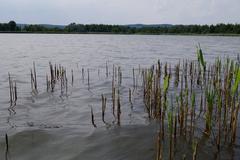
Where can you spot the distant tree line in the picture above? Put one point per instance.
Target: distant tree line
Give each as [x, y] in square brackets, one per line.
[171, 29]
[9, 27]
[73, 27]
[39, 28]
[124, 29]
[193, 29]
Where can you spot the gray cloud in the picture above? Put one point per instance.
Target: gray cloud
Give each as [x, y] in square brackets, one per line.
[121, 11]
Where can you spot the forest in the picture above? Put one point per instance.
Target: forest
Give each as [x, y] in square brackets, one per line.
[122, 29]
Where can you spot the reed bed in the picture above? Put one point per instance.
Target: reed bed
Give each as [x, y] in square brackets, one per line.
[174, 103]
[190, 100]
[58, 75]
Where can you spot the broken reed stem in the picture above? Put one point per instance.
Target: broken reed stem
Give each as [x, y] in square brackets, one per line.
[47, 83]
[119, 76]
[6, 141]
[83, 74]
[175, 130]
[32, 80]
[98, 72]
[234, 125]
[15, 92]
[104, 103]
[35, 77]
[88, 79]
[106, 69]
[72, 77]
[12, 91]
[113, 100]
[66, 85]
[113, 92]
[92, 118]
[159, 147]
[195, 147]
[10, 88]
[61, 84]
[133, 79]
[130, 96]
[118, 108]
[52, 77]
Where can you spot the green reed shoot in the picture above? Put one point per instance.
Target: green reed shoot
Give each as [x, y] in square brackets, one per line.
[208, 117]
[237, 81]
[201, 58]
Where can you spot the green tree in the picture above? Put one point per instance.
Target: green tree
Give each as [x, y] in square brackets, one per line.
[12, 25]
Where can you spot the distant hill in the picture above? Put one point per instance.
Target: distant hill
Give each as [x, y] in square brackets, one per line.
[148, 25]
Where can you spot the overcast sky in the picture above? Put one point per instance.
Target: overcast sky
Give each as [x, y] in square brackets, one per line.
[121, 11]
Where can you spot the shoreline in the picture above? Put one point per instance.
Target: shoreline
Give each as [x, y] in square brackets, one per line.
[107, 33]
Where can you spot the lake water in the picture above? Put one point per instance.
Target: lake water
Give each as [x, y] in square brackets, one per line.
[48, 126]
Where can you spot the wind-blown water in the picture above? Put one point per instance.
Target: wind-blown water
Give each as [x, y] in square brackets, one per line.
[54, 126]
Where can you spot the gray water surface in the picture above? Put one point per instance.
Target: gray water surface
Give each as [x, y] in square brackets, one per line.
[48, 126]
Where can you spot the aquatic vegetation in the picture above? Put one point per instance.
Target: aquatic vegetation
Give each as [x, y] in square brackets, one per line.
[6, 141]
[208, 117]
[34, 79]
[104, 105]
[92, 115]
[237, 81]
[200, 57]
[193, 103]
[12, 91]
[195, 147]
